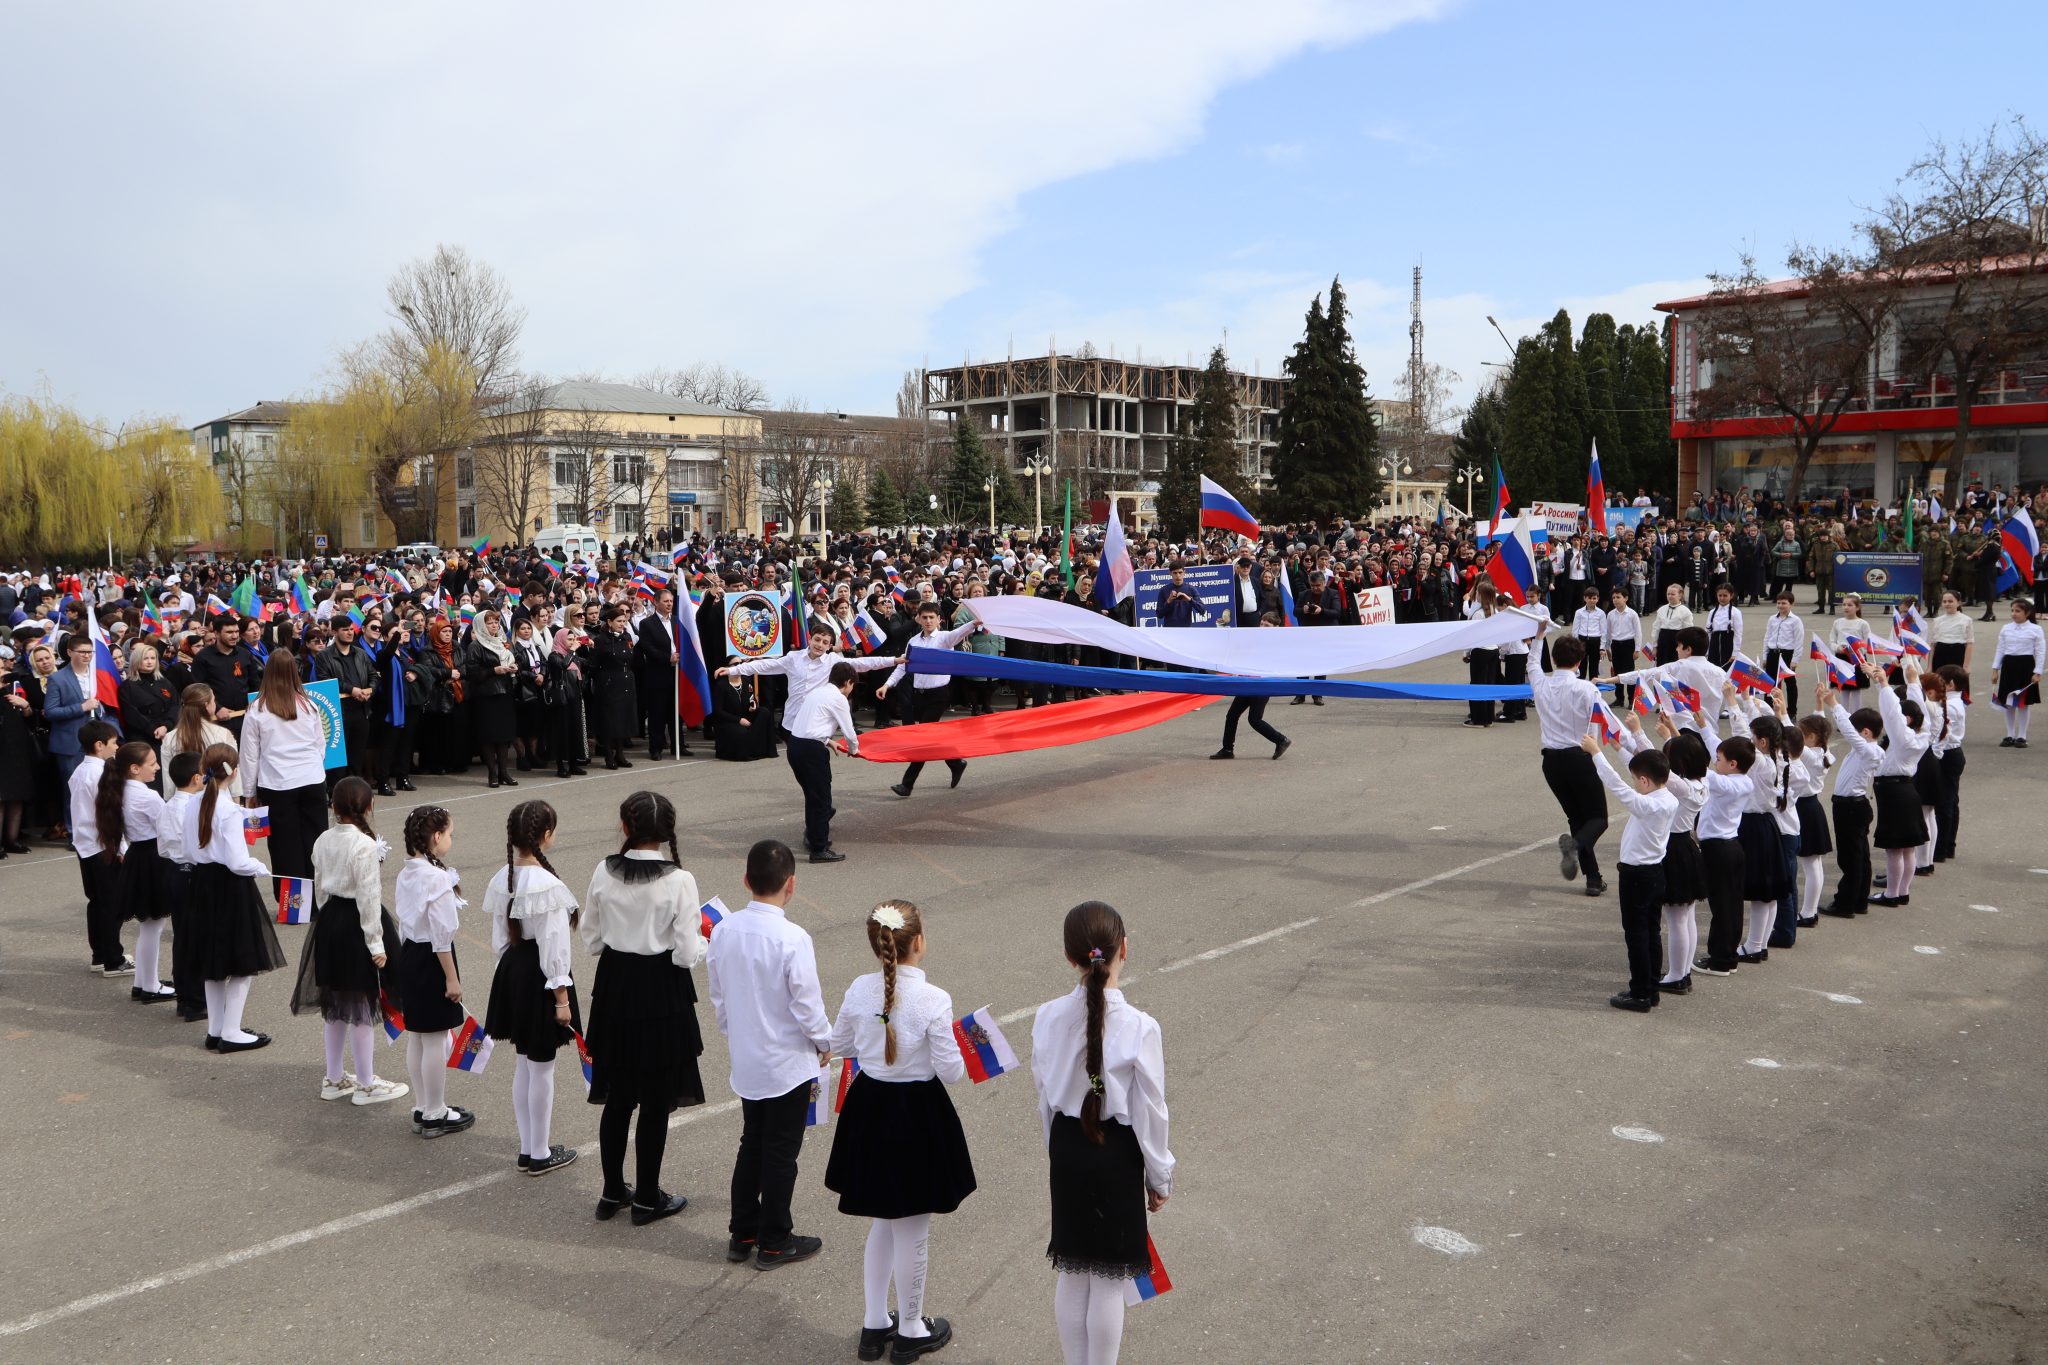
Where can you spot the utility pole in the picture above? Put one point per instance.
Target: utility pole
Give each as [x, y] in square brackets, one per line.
[1418, 435]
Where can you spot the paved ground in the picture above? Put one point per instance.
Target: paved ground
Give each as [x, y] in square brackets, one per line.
[1384, 1015]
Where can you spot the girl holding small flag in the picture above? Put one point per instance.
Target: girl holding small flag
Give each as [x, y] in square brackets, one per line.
[1100, 1069]
[533, 1000]
[640, 915]
[346, 967]
[1763, 850]
[899, 1155]
[128, 809]
[1901, 828]
[1949, 746]
[1847, 628]
[2016, 666]
[1815, 842]
[1951, 637]
[1929, 778]
[284, 748]
[234, 938]
[429, 978]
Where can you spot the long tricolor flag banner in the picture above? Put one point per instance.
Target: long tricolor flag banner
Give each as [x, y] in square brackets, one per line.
[1152, 1283]
[819, 1109]
[470, 1048]
[711, 914]
[983, 1047]
[294, 900]
[849, 1067]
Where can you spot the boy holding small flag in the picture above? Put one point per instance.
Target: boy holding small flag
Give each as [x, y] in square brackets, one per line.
[1641, 881]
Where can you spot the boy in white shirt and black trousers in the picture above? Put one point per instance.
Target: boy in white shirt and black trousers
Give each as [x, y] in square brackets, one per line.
[1641, 885]
[763, 973]
[1624, 636]
[1589, 626]
[824, 713]
[929, 690]
[97, 740]
[1851, 804]
[1564, 706]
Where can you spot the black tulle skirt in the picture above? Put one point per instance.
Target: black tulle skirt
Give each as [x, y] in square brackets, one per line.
[138, 883]
[423, 989]
[337, 975]
[898, 1150]
[1928, 779]
[1763, 857]
[643, 1036]
[1814, 839]
[1098, 1201]
[1685, 879]
[1899, 822]
[522, 1010]
[233, 931]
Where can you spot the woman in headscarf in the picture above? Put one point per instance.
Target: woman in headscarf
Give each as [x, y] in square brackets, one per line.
[568, 658]
[489, 671]
[529, 692]
[444, 744]
[615, 699]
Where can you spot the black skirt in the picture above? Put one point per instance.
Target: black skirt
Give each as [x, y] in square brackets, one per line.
[337, 976]
[2015, 675]
[1685, 880]
[1928, 779]
[1945, 655]
[1667, 647]
[643, 1036]
[1899, 823]
[1814, 841]
[522, 1009]
[1763, 857]
[898, 1150]
[1098, 1201]
[423, 989]
[138, 883]
[233, 932]
[493, 720]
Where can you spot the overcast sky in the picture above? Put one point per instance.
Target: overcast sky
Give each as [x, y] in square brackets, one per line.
[207, 199]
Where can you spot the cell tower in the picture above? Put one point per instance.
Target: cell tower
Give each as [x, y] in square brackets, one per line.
[1417, 380]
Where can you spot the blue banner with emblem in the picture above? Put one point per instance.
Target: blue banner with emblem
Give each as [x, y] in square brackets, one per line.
[1878, 576]
[1209, 584]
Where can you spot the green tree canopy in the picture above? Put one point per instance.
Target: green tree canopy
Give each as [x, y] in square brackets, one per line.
[1325, 465]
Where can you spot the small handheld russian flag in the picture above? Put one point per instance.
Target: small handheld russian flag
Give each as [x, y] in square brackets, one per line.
[394, 1018]
[1152, 1283]
[294, 900]
[1745, 674]
[868, 633]
[1787, 673]
[849, 1067]
[982, 1046]
[1913, 643]
[1884, 649]
[583, 1056]
[1645, 702]
[1839, 673]
[255, 824]
[711, 914]
[470, 1048]
[817, 1110]
[895, 582]
[1606, 723]
[1684, 700]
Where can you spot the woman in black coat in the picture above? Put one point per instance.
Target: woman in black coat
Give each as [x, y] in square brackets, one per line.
[614, 700]
[567, 687]
[530, 689]
[489, 675]
[149, 704]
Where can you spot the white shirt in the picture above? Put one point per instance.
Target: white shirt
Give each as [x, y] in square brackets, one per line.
[1133, 1073]
[2015, 640]
[764, 991]
[542, 905]
[1651, 815]
[805, 673]
[1784, 632]
[1948, 732]
[345, 864]
[938, 639]
[1590, 623]
[280, 754]
[659, 915]
[171, 835]
[170, 748]
[1727, 620]
[922, 1017]
[426, 905]
[1247, 595]
[141, 811]
[1842, 628]
[1950, 628]
[1673, 617]
[83, 789]
[1564, 704]
[824, 713]
[224, 842]
[1904, 744]
[1721, 810]
[1852, 777]
[1623, 625]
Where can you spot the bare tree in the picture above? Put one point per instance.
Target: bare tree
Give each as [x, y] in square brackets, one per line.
[711, 384]
[1956, 238]
[739, 471]
[582, 446]
[910, 394]
[514, 455]
[447, 301]
[799, 450]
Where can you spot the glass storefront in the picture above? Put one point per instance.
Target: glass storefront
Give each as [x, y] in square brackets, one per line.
[1993, 459]
[1843, 466]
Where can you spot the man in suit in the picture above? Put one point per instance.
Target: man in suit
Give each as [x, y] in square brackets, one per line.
[1245, 594]
[70, 700]
[654, 663]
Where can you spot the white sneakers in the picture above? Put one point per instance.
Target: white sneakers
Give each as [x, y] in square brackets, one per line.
[378, 1091]
[338, 1090]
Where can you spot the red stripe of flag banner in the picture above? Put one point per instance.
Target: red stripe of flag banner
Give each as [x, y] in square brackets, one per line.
[849, 1067]
[294, 900]
[1152, 1283]
[982, 1046]
[470, 1048]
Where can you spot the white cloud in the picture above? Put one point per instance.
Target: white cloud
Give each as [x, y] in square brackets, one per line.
[791, 188]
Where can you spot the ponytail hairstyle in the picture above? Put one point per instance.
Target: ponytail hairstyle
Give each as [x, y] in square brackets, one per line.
[893, 926]
[421, 826]
[352, 798]
[1790, 743]
[649, 819]
[106, 802]
[1935, 688]
[1813, 730]
[1094, 935]
[193, 704]
[528, 824]
[218, 763]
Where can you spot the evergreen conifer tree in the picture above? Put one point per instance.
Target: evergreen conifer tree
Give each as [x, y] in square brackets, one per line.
[849, 509]
[1324, 468]
[962, 499]
[885, 504]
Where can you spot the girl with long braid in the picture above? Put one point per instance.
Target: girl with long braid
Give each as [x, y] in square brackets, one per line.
[898, 1155]
[533, 998]
[128, 808]
[428, 903]
[347, 964]
[1100, 1068]
[234, 939]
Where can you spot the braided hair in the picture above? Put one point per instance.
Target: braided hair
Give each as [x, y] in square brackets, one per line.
[890, 945]
[1094, 935]
[351, 804]
[107, 811]
[529, 823]
[649, 818]
[421, 825]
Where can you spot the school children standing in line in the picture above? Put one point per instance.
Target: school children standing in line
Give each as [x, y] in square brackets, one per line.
[533, 996]
[174, 851]
[1685, 755]
[1728, 792]
[1956, 709]
[127, 810]
[428, 903]
[236, 941]
[345, 969]
[1900, 827]
[899, 1154]
[1763, 846]
[1814, 841]
[1100, 1069]
[1851, 805]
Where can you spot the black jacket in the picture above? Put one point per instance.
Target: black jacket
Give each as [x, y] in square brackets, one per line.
[352, 670]
[480, 676]
[232, 676]
[147, 703]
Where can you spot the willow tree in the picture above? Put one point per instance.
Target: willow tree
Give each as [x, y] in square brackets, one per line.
[64, 488]
[169, 492]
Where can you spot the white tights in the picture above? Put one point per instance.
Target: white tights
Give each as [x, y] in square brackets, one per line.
[2016, 721]
[1923, 855]
[533, 1104]
[897, 1249]
[1898, 870]
[361, 1039]
[1090, 1312]
[1761, 918]
[1811, 879]
[224, 1002]
[426, 1066]
[1681, 940]
[149, 939]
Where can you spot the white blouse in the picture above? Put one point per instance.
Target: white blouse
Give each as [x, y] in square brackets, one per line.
[426, 905]
[2018, 641]
[1903, 743]
[657, 916]
[224, 844]
[283, 755]
[1133, 1073]
[345, 864]
[1671, 617]
[209, 734]
[542, 905]
[141, 809]
[1842, 628]
[1950, 628]
[922, 1017]
[172, 841]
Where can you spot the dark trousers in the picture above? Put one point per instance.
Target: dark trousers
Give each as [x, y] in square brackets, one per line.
[394, 745]
[1721, 866]
[297, 818]
[649, 1144]
[1774, 657]
[1577, 788]
[1641, 892]
[928, 704]
[1253, 710]
[1514, 672]
[1852, 853]
[1948, 816]
[102, 915]
[764, 1173]
[185, 977]
[1485, 672]
[658, 707]
[811, 763]
[1589, 663]
[1621, 658]
[355, 736]
[1785, 929]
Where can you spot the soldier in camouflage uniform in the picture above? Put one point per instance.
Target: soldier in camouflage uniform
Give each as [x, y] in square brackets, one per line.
[1935, 562]
[1968, 544]
[1821, 551]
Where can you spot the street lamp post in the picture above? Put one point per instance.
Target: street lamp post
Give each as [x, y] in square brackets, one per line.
[1037, 466]
[824, 507]
[988, 486]
[1469, 476]
[1394, 470]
